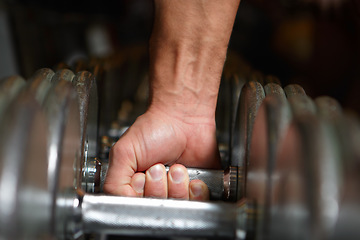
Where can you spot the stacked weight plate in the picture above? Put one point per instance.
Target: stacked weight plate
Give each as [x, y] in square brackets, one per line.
[296, 161]
[43, 136]
[299, 163]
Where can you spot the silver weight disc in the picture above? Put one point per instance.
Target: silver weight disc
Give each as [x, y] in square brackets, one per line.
[9, 88]
[40, 83]
[25, 209]
[348, 222]
[271, 123]
[85, 85]
[86, 88]
[62, 111]
[305, 186]
[251, 97]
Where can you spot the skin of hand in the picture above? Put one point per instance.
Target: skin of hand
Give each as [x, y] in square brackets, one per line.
[187, 52]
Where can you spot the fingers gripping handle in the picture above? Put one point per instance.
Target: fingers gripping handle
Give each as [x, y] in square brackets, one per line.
[222, 184]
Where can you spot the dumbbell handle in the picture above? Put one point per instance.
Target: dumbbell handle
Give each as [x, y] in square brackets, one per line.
[128, 216]
[157, 217]
[223, 185]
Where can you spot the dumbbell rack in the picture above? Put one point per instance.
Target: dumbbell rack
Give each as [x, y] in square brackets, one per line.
[293, 167]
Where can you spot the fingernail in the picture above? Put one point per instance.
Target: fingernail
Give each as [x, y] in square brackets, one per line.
[177, 175]
[196, 189]
[156, 172]
[138, 184]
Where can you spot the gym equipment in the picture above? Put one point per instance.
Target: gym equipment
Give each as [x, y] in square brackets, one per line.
[293, 167]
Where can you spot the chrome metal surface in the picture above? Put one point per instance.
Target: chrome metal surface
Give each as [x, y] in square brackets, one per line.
[40, 83]
[92, 175]
[223, 115]
[305, 187]
[85, 85]
[331, 173]
[25, 207]
[61, 109]
[65, 74]
[214, 179]
[237, 84]
[68, 215]
[159, 217]
[328, 108]
[293, 182]
[270, 125]
[301, 105]
[302, 175]
[294, 89]
[103, 171]
[348, 223]
[86, 88]
[251, 97]
[232, 176]
[274, 89]
[62, 112]
[222, 184]
[9, 88]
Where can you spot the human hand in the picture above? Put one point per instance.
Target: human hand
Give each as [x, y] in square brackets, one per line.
[159, 137]
[187, 52]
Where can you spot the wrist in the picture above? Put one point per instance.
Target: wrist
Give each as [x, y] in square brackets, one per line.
[188, 47]
[185, 79]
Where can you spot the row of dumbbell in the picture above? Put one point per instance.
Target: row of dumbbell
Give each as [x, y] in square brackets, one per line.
[300, 162]
[264, 154]
[45, 144]
[265, 115]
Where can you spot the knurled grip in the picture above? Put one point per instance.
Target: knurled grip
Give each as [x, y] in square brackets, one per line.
[222, 184]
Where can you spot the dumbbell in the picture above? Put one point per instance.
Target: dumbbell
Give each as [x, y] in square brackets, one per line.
[270, 116]
[282, 112]
[60, 184]
[297, 180]
[68, 212]
[9, 87]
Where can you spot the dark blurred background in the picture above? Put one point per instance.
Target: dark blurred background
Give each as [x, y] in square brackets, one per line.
[299, 41]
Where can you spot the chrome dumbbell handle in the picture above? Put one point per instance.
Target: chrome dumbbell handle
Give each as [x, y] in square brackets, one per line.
[124, 216]
[222, 184]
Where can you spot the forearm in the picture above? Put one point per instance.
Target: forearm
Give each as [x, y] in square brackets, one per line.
[187, 51]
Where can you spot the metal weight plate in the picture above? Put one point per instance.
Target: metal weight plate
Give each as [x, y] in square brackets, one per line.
[85, 85]
[290, 190]
[271, 122]
[294, 89]
[348, 222]
[237, 83]
[9, 88]
[62, 111]
[328, 108]
[25, 208]
[331, 173]
[304, 192]
[40, 84]
[274, 89]
[300, 103]
[226, 108]
[65, 74]
[223, 120]
[251, 97]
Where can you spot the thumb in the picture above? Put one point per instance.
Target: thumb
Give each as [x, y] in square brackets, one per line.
[121, 178]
